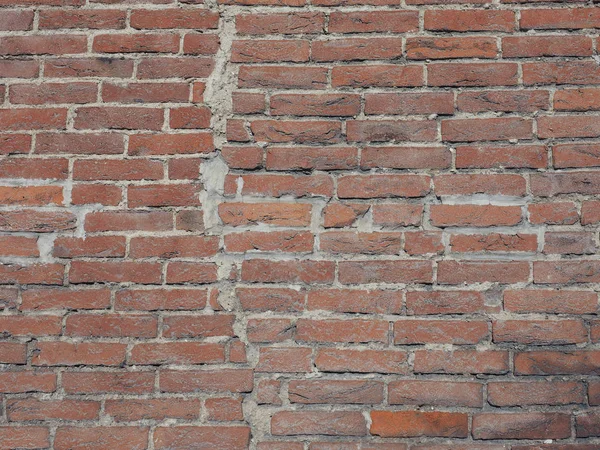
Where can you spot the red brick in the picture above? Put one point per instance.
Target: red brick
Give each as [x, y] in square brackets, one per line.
[33, 409]
[374, 186]
[14, 144]
[436, 393]
[24, 437]
[303, 158]
[469, 130]
[530, 425]
[577, 243]
[272, 299]
[315, 105]
[474, 215]
[410, 332]
[540, 332]
[587, 424]
[493, 242]
[114, 117]
[561, 72]
[19, 246]
[97, 438]
[115, 272]
[336, 391]
[410, 103]
[170, 144]
[82, 353]
[191, 272]
[284, 23]
[356, 49]
[284, 241]
[344, 331]
[160, 299]
[176, 67]
[458, 184]
[561, 18]
[377, 76]
[145, 92]
[19, 68]
[224, 409]
[397, 214]
[550, 301]
[111, 326]
[374, 21]
[46, 93]
[270, 51]
[283, 214]
[391, 130]
[395, 271]
[418, 423]
[340, 423]
[190, 117]
[181, 353]
[535, 393]
[423, 242]
[539, 46]
[581, 362]
[458, 272]
[27, 382]
[198, 326]
[364, 243]
[461, 361]
[472, 74]
[79, 144]
[444, 302]
[282, 185]
[16, 20]
[450, 48]
[281, 77]
[30, 326]
[88, 67]
[124, 220]
[506, 101]
[469, 20]
[58, 44]
[306, 271]
[500, 156]
[269, 330]
[31, 195]
[590, 212]
[300, 132]
[200, 44]
[555, 272]
[181, 438]
[108, 382]
[284, 359]
[174, 18]
[133, 169]
[248, 103]
[163, 195]
[33, 119]
[361, 361]
[93, 19]
[557, 213]
[127, 410]
[134, 43]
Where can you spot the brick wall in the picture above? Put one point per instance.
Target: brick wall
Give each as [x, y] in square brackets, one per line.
[265, 224]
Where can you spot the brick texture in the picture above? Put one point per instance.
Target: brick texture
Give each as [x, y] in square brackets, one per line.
[299, 225]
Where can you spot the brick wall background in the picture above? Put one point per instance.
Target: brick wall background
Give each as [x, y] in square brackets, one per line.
[267, 224]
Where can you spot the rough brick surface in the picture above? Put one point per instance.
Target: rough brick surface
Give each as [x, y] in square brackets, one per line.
[299, 225]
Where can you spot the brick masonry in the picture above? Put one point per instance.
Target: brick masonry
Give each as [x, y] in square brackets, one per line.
[267, 224]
